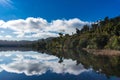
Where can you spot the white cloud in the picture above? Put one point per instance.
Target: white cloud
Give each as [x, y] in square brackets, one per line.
[36, 28]
[8, 36]
[1, 22]
[2, 31]
[6, 3]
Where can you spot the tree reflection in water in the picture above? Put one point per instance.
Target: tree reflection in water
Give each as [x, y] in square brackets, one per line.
[109, 65]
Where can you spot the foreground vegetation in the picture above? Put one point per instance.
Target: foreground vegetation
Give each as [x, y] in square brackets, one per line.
[104, 34]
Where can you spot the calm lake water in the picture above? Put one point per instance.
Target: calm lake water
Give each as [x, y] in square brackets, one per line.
[31, 65]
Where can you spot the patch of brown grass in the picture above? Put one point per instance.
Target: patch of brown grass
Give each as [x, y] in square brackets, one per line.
[103, 52]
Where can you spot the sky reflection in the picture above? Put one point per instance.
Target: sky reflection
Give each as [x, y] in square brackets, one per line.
[34, 63]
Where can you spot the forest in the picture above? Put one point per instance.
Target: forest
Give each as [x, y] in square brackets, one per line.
[102, 34]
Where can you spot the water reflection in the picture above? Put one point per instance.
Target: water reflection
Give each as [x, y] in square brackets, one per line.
[61, 65]
[108, 65]
[34, 63]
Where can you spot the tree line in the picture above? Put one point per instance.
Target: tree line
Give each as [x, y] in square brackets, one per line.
[103, 34]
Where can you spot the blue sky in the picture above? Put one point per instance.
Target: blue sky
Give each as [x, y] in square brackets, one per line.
[52, 10]
[89, 10]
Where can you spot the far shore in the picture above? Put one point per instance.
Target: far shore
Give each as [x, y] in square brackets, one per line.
[107, 52]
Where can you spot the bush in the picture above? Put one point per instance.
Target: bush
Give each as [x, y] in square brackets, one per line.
[114, 43]
[83, 42]
[92, 44]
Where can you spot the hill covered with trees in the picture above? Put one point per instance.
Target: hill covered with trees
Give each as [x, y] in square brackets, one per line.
[103, 34]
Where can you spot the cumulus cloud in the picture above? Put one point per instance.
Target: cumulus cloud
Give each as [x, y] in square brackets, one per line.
[2, 31]
[6, 3]
[37, 28]
[8, 36]
[37, 64]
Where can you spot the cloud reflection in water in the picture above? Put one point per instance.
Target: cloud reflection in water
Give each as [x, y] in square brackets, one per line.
[34, 63]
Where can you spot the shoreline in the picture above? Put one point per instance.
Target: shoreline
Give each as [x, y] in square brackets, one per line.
[106, 52]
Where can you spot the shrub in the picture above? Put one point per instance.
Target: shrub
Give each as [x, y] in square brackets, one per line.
[114, 43]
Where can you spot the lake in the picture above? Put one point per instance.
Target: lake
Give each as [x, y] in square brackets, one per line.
[33, 65]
